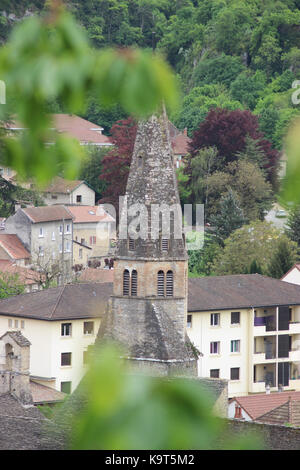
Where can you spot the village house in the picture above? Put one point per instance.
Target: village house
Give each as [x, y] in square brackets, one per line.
[93, 230]
[47, 233]
[62, 191]
[179, 143]
[281, 408]
[60, 323]
[12, 249]
[31, 280]
[293, 275]
[248, 330]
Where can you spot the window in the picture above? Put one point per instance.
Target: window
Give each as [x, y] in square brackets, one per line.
[235, 373]
[78, 198]
[65, 387]
[65, 359]
[66, 329]
[16, 323]
[41, 232]
[41, 251]
[68, 228]
[189, 321]
[235, 318]
[22, 324]
[53, 236]
[215, 347]
[88, 328]
[126, 282]
[82, 241]
[93, 240]
[140, 161]
[161, 284]
[60, 247]
[53, 196]
[214, 319]
[60, 229]
[68, 247]
[80, 253]
[235, 346]
[134, 281]
[214, 373]
[131, 244]
[10, 323]
[169, 286]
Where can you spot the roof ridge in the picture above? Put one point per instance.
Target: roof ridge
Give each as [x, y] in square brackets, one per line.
[58, 300]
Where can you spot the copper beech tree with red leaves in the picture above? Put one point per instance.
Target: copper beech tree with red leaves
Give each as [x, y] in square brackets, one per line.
[227, 131]
[116, 164]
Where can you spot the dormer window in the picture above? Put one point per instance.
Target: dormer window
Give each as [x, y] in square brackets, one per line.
[131, 244]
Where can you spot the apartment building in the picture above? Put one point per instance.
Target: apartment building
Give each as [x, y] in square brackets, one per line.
[248, 329]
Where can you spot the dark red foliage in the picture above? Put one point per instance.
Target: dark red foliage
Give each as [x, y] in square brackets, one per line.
[227, 130]
[117, 162]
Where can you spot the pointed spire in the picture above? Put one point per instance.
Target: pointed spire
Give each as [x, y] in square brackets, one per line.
[151, 211]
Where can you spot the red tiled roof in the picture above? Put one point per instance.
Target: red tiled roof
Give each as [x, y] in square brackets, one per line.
[42, 394]
[74, 126]
[13, 246]
[89, 214]
[97, 275]
[47, 213]
[62, 186]
[260, 404]
[26, 276]
[180, 144]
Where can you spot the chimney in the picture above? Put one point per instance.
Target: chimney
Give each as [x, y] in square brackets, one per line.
[238, 412]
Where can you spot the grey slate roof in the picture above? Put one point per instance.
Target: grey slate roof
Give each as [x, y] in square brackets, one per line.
[18, 337]
[240, 291]
[25, 428]
[70, 302]
[205, 293]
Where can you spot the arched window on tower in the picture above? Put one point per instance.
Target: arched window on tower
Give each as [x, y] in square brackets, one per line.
[126, 282]
[134, 281]
[131, 244]
[170, 284]
[161, 284]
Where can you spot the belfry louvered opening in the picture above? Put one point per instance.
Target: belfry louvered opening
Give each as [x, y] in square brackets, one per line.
[134, 281]
[131, 244]
[165, 244]
[161, 284]
[126, 282]
[170, 284]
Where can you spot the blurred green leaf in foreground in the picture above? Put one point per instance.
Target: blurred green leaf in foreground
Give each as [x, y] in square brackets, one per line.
[50, 60]
[115, 409]
[290, 193]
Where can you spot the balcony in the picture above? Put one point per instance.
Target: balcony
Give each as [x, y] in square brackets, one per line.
[264, 324]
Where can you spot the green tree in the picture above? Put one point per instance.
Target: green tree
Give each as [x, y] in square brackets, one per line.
[282, 259]
[201, 261]
[222, 70]
[293, 225]
[229, 217]
[10, 285]
[255, 268]
[257, 240]
[91, 169]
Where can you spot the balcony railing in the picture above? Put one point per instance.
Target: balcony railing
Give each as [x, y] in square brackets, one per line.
[269, 322]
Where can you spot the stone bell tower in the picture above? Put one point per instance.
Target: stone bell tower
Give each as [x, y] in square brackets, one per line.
[148, 309]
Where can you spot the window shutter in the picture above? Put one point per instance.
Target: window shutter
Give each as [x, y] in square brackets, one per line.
[161, 284]
[126, 282]
[134, 283]
[170, 286]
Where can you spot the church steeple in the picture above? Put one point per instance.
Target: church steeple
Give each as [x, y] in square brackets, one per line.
[148, 310]
[152, 188]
